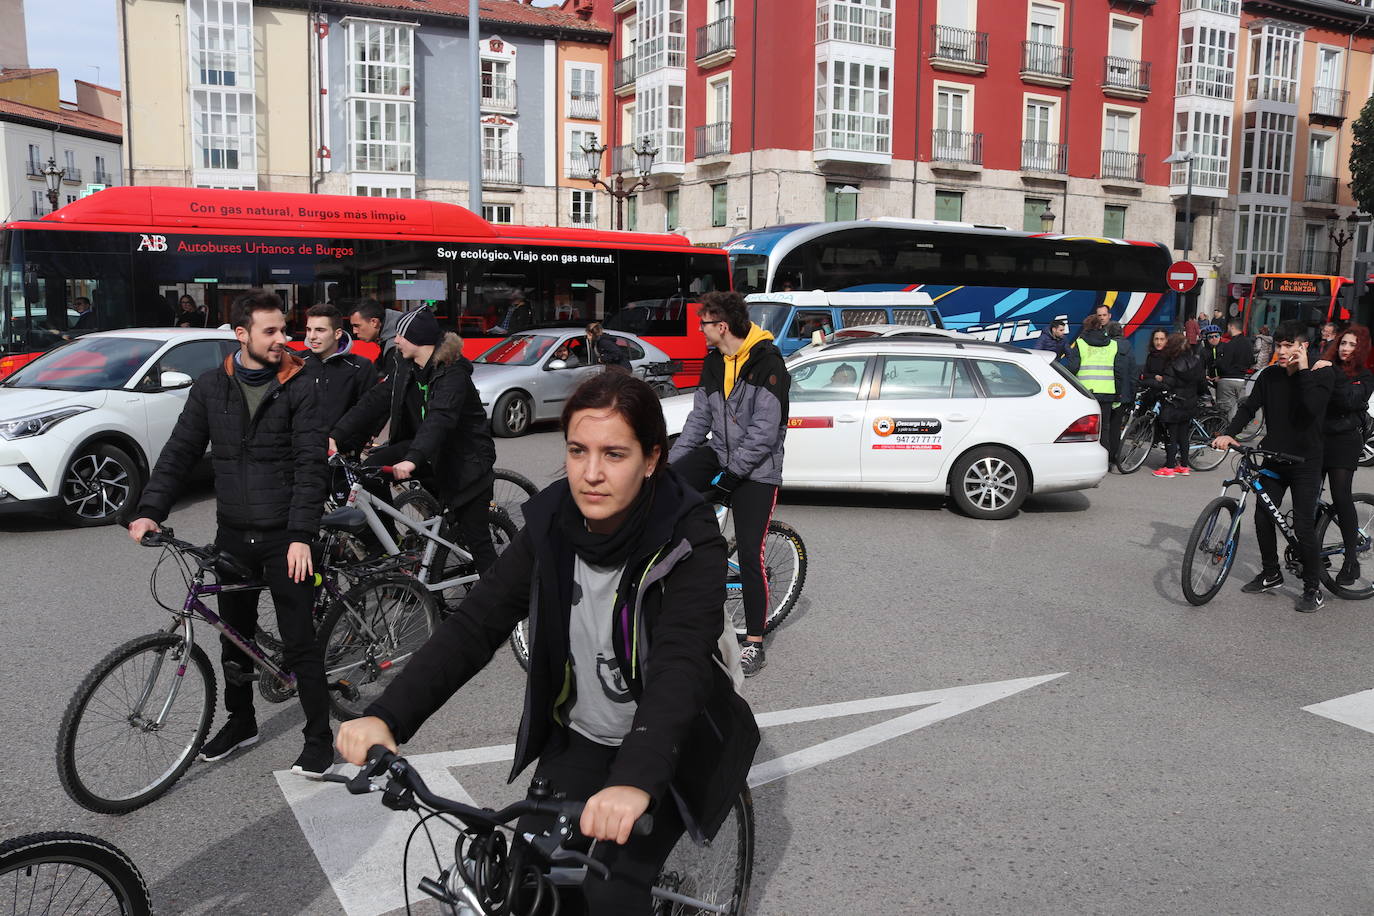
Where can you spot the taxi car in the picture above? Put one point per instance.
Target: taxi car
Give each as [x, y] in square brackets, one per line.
[987, 424]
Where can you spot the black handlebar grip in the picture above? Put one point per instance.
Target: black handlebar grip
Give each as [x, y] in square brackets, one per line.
[154, 538]
[379, 757]
[644, 825]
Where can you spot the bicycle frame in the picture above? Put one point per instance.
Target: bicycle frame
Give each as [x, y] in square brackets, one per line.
[1196, 426]
[1249, 480]
[732, 567]
[359, 498]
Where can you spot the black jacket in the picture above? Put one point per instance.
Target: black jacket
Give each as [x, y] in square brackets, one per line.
[452, 444]
[1294, 409]
[1349, 399]
[341, 381]
[691, 733]
[610, 353]
[1235, 357]
[269, 469]
[1181, 379]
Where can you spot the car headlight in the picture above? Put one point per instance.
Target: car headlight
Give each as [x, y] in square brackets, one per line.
[37, 424]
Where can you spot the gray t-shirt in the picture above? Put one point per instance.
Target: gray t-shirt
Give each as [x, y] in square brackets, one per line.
[604, 710]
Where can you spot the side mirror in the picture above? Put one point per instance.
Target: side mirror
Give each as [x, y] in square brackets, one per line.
[818, 337]
[557, 364]
[175, 380]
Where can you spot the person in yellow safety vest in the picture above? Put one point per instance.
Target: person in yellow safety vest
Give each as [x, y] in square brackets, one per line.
[1104, 366]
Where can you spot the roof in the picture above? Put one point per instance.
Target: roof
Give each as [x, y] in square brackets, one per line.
[75, 121]
[493, 11]
[16, 73]
[113, 92]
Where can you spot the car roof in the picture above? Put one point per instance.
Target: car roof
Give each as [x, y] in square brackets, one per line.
[918, 341]
[898, 330]
[166, 333]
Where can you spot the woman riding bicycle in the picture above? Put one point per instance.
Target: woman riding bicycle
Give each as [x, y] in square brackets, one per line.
[1343, 434]
[1184, 370]
[621, 570]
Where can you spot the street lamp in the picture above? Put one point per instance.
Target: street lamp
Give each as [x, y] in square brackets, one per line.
[644, 152]
[1047, 219]
[1341, 236]
[53, 176]
[1187, 156]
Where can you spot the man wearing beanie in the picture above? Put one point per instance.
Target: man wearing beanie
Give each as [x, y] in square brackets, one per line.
[439, 432]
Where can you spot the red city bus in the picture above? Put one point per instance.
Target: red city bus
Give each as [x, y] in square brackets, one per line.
[1313, 298]
[135, 251]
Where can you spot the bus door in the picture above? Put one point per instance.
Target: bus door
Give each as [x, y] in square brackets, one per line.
[923, 409]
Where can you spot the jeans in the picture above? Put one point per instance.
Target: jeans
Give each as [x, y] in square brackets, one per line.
[753, 506]
[1229, 393]
[1304, 480]
[264, 552]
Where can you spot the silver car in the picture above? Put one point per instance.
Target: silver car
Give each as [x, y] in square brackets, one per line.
[529, 375]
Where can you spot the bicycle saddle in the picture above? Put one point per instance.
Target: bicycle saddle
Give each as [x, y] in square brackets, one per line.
[345, 519]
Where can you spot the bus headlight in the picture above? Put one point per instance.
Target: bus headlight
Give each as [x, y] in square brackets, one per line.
[37, 424]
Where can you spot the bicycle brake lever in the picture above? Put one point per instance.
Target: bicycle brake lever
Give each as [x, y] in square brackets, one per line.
[550, 848]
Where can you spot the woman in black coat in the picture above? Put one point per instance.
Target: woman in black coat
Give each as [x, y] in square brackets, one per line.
[1152, 373]
[1183, 373]
[628, 703]
[1343, 433]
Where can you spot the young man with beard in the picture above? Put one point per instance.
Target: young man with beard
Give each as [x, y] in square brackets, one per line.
[341, 377]
[258, 415]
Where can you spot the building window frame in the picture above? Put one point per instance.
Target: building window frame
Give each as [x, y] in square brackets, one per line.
[953, 203]
[1207, 134]
[1261, 238]
[582, 207]
[1268, 141]
[672, 199]
[862, 22]
[223, 130]
[1114, 221]
[386, 69]
[220, 43]
[1206, 62]
[720, 204]
[381, 136]
[840, 124]
[1031, 208]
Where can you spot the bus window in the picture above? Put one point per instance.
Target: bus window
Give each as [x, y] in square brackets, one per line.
[808, 321]
[750, 272]
[708, 275]
[654, 290]
[501, 299]
[919, 318]
[852, 318]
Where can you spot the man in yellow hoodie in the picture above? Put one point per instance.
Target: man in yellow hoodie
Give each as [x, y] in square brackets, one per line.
[741, 405]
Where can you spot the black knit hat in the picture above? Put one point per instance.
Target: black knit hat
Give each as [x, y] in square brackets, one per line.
[419, 327]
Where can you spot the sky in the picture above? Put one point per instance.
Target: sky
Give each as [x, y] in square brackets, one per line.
[76, 37]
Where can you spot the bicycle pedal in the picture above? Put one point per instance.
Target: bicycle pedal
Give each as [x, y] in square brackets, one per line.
[239, 676]
[349, 691]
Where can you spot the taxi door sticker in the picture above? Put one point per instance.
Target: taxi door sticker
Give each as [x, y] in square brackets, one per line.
[1056, 391]
[810, 422]
[908, 433]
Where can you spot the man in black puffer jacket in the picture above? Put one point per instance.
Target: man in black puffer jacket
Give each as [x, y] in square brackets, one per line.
[259, 416]
[439, 432]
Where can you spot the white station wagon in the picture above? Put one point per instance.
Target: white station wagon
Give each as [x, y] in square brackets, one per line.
[986, 423]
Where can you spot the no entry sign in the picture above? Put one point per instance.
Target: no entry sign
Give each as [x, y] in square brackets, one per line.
[1182, 276]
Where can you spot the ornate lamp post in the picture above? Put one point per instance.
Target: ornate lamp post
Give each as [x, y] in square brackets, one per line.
[1341, 236]
[53, 176]
[1047, 218]
[644, 152]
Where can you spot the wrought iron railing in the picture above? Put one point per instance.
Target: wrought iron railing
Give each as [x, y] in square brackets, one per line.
[1123, 165]
[1046, 59]
[715, 37]
[965, 45]
[1329, 102]
[957, 146]
[498, 92]
[1126, 73]
[1320, 189]
[1044, 156]
[712, 140]
[585, 105]
[502, 168]
[624, 71]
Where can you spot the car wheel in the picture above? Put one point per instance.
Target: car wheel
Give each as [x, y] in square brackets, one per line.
[512, 415]
[1366, 459]
[989, 483]
[100, 483]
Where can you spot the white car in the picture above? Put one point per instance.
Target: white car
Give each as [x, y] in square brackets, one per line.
[986, 423]
[81, 425]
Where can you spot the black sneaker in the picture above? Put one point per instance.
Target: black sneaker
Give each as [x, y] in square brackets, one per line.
[1349, 574]
[237, 732]
[314, 760]
[1311, 599]
[751, 658]
[1264, 582]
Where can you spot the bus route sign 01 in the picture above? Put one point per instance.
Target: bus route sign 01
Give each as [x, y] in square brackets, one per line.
[1182, 276]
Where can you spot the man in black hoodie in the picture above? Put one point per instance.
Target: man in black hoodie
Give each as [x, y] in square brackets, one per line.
[1234, 360]
[1294, 399]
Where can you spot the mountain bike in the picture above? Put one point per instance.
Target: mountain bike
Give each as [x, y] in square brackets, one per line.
[1212, 544]
[69, 873]
[521, 875]
[510, 492]
[1143, 431]
[140, 717]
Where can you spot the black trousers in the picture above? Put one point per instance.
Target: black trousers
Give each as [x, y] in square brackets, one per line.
[1304, 481]
[264, 552]
[753, 504]
[578, 772]
[468, 518]
[1176, 443]
[1111, 426]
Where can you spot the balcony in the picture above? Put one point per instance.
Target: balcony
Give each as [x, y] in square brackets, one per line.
[1320, 261]
[716, 42]
[1044, 156]
[712, 140]
[585, 106]
[498, 93]
[1125, 77]
[959, 50]
[71, 175]
[622, 159]
[625, 76]
[1118, 165]
[502, 170]
[955, 148]
[1320, 189]
[35, 170]
[577, 166]
[1329, 103]
[1225, 7]
[1045, 64]
[104, 178]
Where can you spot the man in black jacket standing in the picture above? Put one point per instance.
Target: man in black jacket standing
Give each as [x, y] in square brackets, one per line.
[439, 432]
[341, 377]
[1234, 360]
[258, 415]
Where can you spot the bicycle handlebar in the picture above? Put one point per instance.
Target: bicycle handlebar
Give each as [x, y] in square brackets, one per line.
[354, 466]
[1283, 457]
[208, 556]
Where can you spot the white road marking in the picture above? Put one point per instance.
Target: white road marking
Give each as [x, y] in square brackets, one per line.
[1355, 710]
[359, 844]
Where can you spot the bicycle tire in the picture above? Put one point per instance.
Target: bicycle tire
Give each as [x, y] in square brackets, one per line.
[783, 549]
[719, 872]
[76, 766]
[1137, 441]
[358, 666]
[1210, 544]
[43, 870]
[510, 492]
[1201, 456]
[502, 531]
[1332, 542]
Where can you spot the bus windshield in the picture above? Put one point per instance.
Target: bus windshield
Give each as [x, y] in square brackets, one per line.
[771, 316]
[1277, 298]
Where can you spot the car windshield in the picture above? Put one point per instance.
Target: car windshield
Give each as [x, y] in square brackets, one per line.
[88, 364]
[518, 350]
[769, 315]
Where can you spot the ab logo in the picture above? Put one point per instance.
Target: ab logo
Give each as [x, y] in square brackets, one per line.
[152, 243]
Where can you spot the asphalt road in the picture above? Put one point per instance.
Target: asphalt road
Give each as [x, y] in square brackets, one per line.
[1170, 769]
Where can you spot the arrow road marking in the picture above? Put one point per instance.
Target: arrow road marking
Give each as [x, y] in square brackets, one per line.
[1355, 710]
[359, 845]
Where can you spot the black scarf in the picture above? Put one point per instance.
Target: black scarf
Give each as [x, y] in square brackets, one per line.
[612, 549]
[254, 377]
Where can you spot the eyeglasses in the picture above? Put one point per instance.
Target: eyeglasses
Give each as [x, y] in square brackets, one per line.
[716, 321]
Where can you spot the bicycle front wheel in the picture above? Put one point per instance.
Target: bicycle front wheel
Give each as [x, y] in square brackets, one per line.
[135, 723]
[1201, 432]
[717, 873]
[1335, 559]
[1211, 550]
[1136, 442]
[70, 873]
[369, 635]
[510, 492]
[784, 573]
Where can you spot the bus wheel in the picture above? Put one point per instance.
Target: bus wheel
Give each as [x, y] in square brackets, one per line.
[98, 485]
[512, 414]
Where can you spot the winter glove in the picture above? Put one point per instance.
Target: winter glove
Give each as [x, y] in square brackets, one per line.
[725, 482]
